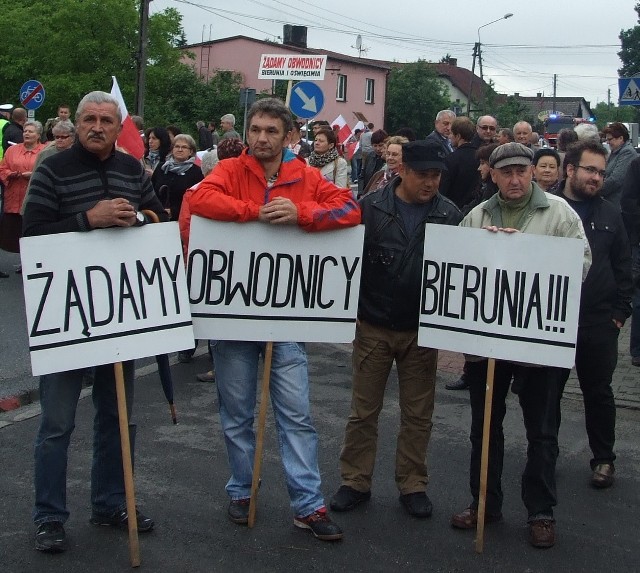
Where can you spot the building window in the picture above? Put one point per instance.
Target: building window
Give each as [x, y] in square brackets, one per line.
[369, 89]
[341, 89]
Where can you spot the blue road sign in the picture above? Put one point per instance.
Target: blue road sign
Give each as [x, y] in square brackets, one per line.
[307, 100]
[629, 92]
[32, 94]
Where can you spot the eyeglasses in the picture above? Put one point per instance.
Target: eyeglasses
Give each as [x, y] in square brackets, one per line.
[182, 147]
[61, 136]
[487, 127]
[592, 170]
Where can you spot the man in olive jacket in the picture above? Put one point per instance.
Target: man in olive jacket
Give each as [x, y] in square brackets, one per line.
[394, 218]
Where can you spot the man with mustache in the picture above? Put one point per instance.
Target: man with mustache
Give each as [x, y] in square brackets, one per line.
[88, 186]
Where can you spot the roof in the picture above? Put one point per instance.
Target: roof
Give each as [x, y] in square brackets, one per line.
[572, 106]
[461, 79]
[380, 64]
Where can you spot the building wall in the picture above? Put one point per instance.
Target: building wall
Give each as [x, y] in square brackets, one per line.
[243, 56]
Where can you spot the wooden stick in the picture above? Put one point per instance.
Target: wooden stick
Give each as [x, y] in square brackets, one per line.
[484, 465]
[262, 417]
[123, 418]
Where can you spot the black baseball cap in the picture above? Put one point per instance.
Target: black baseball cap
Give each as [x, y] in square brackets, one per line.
[423, 154]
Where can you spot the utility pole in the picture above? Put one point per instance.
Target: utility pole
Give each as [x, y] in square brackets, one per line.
[143, 34]
[553, 101]
[481, 78]
[473, 72]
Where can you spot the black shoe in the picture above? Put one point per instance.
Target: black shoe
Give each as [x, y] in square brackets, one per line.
[185, 356]
[346, 498]
[4, 275]
[417, 504]
[50, 537]
[461, 384]
[239, 510]
[320, 524]
[120, 519]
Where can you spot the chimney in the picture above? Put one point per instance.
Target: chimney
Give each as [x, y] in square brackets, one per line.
[516, 94]
[539, 95]
[452, 61]
[294, 36]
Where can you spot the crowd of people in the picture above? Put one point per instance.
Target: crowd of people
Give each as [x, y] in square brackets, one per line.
[462, 173]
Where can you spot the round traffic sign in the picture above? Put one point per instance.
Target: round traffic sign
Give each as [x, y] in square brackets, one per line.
[307, 100]
[32, 94]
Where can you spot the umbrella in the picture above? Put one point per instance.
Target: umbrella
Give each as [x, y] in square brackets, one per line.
[164, 370]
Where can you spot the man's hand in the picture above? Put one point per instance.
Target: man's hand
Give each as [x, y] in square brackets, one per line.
[279, 211]
[112, 213]
[495, 229]
[618, 324]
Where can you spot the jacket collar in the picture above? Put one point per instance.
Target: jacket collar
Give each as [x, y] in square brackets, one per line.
[538, 200]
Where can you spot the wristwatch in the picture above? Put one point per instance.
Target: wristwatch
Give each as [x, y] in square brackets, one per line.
[140, 219]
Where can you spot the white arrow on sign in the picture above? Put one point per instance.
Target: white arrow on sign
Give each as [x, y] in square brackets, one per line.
[308, 103]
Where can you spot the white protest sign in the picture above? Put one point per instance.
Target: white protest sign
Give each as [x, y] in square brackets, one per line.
[506, 296]
[292, 67]
[104, 296]
[252, 281]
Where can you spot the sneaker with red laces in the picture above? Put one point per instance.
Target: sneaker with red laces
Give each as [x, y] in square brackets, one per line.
[320, 525]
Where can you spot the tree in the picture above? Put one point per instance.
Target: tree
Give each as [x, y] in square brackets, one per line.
[414, 96]
[606, 113]
[511, 111]
[630, 52]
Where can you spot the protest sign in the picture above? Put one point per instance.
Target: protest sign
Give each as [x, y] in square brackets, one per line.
[105, 296]
[507, 296]
[251, 281]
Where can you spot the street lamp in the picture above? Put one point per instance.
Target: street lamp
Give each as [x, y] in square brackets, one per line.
[477, 52]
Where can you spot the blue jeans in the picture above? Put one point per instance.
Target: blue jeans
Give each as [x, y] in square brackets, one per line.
[59, 395]
[236, 381]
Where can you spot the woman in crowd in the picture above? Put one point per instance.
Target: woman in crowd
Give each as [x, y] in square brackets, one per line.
[157, 147]
[393, 157]
[15, 171]
[325, 157]
[487, 188]
[179, 172]
[546, 168]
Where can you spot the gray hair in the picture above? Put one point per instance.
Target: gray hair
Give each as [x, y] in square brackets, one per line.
[523, 124]
[98, 98]
[208, 161]
[64, 125]
[187, 139]
[489, 116]
[444, 112]
[199, 124]
[587, 131]
[35, 124]
[229, 117]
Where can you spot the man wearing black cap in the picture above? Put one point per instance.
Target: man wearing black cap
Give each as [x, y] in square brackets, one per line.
[394, 218]
[519, 206]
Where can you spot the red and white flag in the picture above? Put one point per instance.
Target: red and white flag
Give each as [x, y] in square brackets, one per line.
[129, 138]
[345, 131]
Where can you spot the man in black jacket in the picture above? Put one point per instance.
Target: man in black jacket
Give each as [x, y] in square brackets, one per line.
[394, 218]
[605, 303]
[373, 161]
[88, 186]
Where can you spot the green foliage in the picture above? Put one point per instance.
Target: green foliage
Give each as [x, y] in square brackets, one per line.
[606, 113]
[511, 111]
[414, 96]
[75, 46]
[630, 52]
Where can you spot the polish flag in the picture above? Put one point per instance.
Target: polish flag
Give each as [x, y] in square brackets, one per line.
[344, 130]
[129, 138]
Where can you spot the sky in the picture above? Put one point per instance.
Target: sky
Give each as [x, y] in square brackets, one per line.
[577, 40]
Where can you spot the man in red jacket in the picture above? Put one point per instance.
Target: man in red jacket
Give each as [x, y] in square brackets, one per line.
[268, 183]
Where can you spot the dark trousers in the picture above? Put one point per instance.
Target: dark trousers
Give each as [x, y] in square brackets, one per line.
[596, 359]
[539, 388]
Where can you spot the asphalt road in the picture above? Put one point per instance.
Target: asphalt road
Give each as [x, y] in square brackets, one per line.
[181, 471]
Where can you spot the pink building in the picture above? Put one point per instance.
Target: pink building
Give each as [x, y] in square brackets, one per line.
[353, 87]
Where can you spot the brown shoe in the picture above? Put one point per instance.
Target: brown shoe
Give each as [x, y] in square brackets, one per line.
[468, 519]
[542, 533]
[206, 377]
[602, 476]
